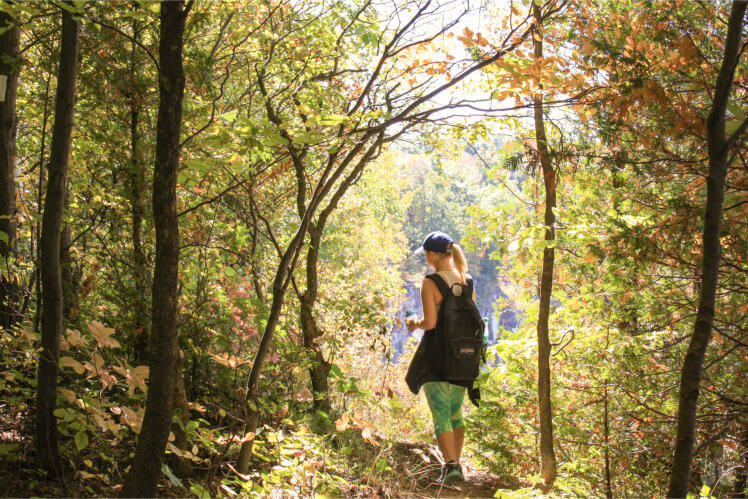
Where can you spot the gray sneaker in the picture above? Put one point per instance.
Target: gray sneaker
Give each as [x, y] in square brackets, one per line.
[453, 473]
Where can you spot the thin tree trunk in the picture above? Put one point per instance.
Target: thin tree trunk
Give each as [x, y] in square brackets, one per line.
[280, 285]
[741, 473]
[39, 194]
[136, 179]
[320, 369]
[606, 428]
[51, 320]
[9, 65]
[606, 424]
[182, 466]
[547, 456]
[70, 272]
[718, 150]
[164, 355]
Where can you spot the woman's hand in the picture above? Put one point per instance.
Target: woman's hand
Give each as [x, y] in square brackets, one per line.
[412, 325]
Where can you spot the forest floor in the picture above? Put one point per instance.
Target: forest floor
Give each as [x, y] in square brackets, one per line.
[412, 471]
[478, 483]
[418, 466]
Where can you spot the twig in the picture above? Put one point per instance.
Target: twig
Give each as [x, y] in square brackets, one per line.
[485, 163]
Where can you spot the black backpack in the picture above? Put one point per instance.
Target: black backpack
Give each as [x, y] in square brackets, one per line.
[459, 332]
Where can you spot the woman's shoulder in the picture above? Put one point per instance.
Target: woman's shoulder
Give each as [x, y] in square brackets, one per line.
[428, 281]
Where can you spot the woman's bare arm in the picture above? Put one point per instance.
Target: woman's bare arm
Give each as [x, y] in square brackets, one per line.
[428, 300]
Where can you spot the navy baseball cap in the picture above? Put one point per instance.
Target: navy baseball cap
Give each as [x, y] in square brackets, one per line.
[437, 242]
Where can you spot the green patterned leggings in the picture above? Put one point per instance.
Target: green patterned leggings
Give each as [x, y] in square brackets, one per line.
[445, 401]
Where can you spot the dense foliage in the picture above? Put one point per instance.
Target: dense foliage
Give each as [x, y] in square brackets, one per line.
[320, 141]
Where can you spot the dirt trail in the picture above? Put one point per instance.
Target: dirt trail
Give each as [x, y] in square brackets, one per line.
[478, 483]
[419, 466]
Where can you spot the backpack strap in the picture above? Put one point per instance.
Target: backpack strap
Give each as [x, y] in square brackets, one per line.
[469, 288]
[443, 287]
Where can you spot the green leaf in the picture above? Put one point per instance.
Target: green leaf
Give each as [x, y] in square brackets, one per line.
[72, 8]
[81, 440]
[199, 491]
[731, 126]
[335, 370]
[154, 7]
[736, 110]
[171, 476]
[482, 379]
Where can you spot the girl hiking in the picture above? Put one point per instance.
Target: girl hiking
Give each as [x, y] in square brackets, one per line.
[446, 362]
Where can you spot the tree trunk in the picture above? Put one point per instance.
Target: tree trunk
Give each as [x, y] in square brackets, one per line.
[51, 320]
[164, 355]
[136, 180]
[606, 419]
[39, 195]
[547, 456]
[606, 436]
[741, 473]
[181, 466]
[718, 150]
[71, 276]
[320, 368]
[280, 285]
[9, 65]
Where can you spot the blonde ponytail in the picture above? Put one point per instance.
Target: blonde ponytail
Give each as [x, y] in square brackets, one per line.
[460, 263]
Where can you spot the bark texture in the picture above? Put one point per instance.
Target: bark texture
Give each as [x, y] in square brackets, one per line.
[10, 61]
[718, 149]
[164, 355]
[547, 455]
[320, 369]
[71, 277]
[51, 318]
[181, 466]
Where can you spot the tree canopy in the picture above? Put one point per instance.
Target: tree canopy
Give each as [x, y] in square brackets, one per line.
[209, 217]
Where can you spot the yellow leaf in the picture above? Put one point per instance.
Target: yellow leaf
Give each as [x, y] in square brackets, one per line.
[98, 361]
[589, 258]
[132, 419]
[229, 361]
[102, 335]
[140, 376]
[73, 337]
[69, 395]
[304, 395]
[27, 333]
[342, 423]
[71, 362]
